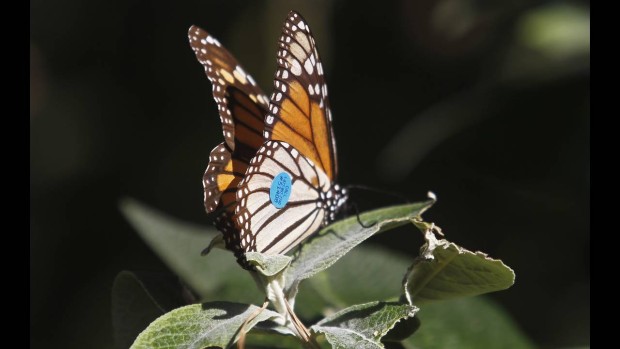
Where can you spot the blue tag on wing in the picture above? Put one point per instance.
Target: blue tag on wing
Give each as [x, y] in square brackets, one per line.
[280, 190]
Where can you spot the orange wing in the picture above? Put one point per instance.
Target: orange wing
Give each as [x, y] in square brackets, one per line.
[299, 145]
[242, 106]
[299, 111]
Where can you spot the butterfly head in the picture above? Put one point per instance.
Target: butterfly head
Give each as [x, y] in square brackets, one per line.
[334, 199]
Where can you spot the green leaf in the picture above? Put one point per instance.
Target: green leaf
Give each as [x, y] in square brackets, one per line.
[367, 273]
[363, 325]
[268, 265]
[336, 240]
[140, 298]
[255, 339]
[466, 323]
[448, 271]
[402, 330]
[269, 276]
[216, 276]
[214, 324]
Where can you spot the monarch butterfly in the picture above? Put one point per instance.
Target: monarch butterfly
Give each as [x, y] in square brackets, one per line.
[273, 179]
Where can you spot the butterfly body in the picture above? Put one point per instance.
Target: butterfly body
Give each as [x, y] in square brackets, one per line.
[273, 181]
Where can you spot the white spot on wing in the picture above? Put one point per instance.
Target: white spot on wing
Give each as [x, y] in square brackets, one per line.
[240, 75]
[308, 66]
[295, 66]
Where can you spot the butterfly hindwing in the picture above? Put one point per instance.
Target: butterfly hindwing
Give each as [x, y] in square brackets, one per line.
[219, 181]
[265, 228]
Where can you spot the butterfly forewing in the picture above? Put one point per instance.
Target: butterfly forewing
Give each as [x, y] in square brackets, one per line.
[299, 112]
[299, 146]
[227, 76]
[242, 107]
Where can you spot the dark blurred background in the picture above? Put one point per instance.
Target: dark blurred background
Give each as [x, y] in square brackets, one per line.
[486, 103]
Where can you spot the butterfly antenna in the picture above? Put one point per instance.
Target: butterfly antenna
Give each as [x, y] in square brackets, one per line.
[359, 220]
[380, 191]
[375, 190]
